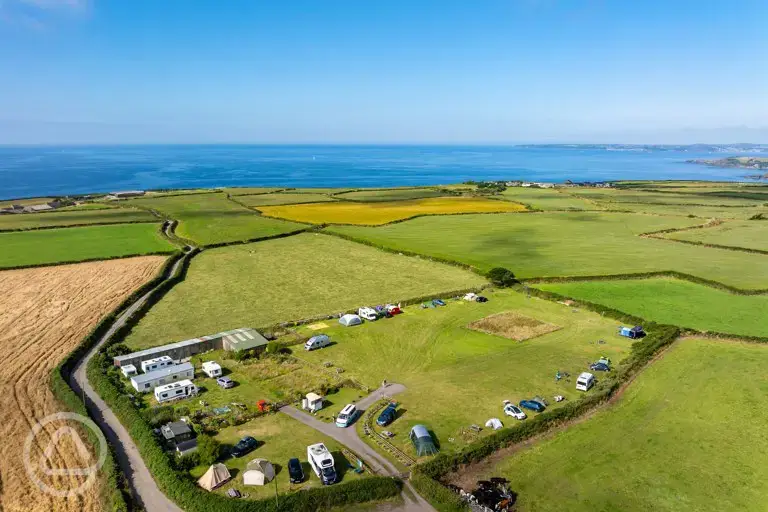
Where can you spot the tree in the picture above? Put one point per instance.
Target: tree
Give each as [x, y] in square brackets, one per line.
[208, 449]
[501, 276]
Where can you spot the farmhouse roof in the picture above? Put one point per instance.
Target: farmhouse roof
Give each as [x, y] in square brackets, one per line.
[162, 372]
[175, 429]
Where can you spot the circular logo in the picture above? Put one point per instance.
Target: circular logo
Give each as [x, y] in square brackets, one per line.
[65, 433]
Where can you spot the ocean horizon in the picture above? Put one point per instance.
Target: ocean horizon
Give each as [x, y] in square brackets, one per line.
[31, 171]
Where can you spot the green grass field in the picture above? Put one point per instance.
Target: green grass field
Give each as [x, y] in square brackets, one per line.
[676, 302]
[212, 218]
[244, 191]
[563, 244]
[547, 199]
[456, 376]
[25, 202]
[282, 198]
[288, 279]
[751, 234]
[638, 196]
[74, 217]
[704, 212]
[75, 244]
[688, 435]
[400, 194]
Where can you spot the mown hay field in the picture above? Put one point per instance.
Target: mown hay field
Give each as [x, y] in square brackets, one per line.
[566, 244]
[750, 234]
[676, 302]
[398, 194]
[74, 217]
[457, 376]
[687, 435]
[282, 198]
[45, 246]
[512, 325]
[44, 314]
[291, 278]
[384, 212]
[212, 218]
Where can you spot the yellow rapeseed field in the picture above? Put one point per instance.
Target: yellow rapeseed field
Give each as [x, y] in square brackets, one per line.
[384, 212]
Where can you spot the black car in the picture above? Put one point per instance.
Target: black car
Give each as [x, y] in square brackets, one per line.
[244, 446]
[295, 472]
[387, 416]
[600, 367]
[480, 298]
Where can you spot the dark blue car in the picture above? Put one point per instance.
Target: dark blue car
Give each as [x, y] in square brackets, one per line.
[533, 405]
[387, 416]
[438, 302]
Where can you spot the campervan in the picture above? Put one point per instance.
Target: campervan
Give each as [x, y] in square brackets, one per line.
[322, 463]
[346, 416]
[368, 313]
[585, 381]
[315, 342]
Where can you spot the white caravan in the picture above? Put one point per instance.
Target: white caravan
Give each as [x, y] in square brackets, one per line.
[177, 390]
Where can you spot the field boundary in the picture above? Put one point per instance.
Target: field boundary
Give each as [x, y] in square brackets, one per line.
[707, 225]
[82, 225]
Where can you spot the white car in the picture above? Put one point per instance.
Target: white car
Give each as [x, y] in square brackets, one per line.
[514, 411]
[367, 313]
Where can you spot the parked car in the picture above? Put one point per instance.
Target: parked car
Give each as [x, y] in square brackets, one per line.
[393, 309]
[438, 302]
[387, 416]
[481, 298]
[295, 471]
[382, 312]
[367, 313]
[532, 405]
[514, 411]
[600, 367]
[225, 382]
[244, 446]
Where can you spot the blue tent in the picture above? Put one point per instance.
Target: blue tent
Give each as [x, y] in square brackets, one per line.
[422, 441]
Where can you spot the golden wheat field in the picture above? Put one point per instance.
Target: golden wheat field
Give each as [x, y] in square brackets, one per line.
[377, 213]
[44, 313]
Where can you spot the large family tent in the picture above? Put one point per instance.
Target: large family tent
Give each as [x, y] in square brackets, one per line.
[350, 320]
[422, 441]
[259, 472]
[216, 476]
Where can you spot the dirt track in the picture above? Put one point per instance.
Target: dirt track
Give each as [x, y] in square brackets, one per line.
[44, 313]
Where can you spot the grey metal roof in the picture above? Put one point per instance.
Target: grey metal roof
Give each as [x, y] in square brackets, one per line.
[162, 372]
[175, 428]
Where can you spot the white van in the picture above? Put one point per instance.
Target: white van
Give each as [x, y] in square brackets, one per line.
[346, 416]
[319, 341]
[585, 381]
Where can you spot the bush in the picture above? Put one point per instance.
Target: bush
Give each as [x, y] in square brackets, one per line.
[158, 416]
[117, 350]
[208, 449]
[243, 355]
[501, 276]
[273, 347]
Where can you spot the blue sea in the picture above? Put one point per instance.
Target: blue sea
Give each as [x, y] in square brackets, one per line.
[40, 171]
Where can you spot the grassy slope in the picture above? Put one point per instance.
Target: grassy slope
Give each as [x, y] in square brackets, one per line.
[391, 195]
[688, 435]
[239, 191]
[212, 218]
[456, 376]
[288, 279]
[705, 212]
[383, 212]
[557, 244]
[85, 216]
[675, 302]
[638, 196]
[73, 244]
[547, 199]
[752, 234]
[25, 202]
[282, 198]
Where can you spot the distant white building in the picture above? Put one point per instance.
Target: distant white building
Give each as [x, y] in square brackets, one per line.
[146, 382]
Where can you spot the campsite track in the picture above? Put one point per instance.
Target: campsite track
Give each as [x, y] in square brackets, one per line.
[348, 437]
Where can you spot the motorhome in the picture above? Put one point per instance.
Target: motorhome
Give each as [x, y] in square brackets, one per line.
[212, 369]
[585, 381]
[176, 390]
[322, 463]
[315, 342]
[157, 363]
[367, 313]
[346, 416]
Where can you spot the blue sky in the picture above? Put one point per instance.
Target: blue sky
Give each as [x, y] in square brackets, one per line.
[133, 71]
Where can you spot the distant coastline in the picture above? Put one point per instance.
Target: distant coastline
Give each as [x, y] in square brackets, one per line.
[738, 162]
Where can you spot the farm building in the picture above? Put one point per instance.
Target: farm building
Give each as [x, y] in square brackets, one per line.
[157, 363]
[146, 382]
[235, 340]
[181, 389]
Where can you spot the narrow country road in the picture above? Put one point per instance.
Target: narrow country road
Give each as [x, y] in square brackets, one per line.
[143, 486]
[349, 438]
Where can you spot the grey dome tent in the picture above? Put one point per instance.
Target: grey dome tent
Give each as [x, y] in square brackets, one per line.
[422, 441]
[260, 472]
[350, 320]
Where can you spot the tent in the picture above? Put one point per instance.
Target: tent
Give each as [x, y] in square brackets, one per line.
[350, 320]
[422, 441]
[216, 476]
[494, 423]
[259, 472]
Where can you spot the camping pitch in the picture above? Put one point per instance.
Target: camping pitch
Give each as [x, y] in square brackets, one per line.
[216, 476]
[260, 472]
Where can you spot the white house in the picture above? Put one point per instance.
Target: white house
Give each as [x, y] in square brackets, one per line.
[146, 382]
[177, 390]
[151, 365]
[212, 369]
[128, 370]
